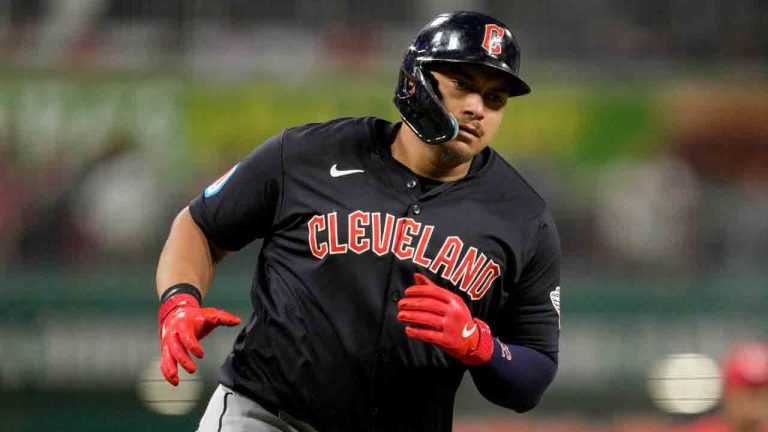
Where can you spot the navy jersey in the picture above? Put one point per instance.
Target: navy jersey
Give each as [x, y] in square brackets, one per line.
[345, 227]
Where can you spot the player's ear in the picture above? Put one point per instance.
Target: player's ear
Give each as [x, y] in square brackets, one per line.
[411, 86]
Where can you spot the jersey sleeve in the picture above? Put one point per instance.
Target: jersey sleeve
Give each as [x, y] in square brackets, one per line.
[241, 205]
[531, 315]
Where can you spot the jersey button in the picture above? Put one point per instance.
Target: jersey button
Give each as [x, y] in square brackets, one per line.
[416, 209]
[374, 412]
[396, 296]
[411, 184]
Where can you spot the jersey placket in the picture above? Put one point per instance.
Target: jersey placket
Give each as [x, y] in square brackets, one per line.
[383, 358]
[417, 201]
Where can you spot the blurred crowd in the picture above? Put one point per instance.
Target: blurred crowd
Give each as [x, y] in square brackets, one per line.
[700, 202]
[78, 33]
[60, 210]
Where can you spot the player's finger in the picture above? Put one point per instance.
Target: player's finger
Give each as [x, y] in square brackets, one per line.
[420, 279]
[210, 318]
[424, 335]
[220, 317]
[189, 340]
[428, 291]
[421, 319]
[428, 304]
[168, 365]
[180, 354]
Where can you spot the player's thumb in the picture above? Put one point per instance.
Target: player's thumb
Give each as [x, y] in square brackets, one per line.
[220, 317]
[420, 279]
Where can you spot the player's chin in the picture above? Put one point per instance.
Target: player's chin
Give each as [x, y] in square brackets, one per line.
[460, 150]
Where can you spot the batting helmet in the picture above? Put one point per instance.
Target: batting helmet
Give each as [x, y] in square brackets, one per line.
[458, 37]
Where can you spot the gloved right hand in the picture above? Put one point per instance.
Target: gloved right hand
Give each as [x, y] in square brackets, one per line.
[182, 324]
[435, 315]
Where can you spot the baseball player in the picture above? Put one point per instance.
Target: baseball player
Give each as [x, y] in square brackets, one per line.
[396, 257]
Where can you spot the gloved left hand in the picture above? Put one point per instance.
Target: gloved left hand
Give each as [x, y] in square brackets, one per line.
[435, 315]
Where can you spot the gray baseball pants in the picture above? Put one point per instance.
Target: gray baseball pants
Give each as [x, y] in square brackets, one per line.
[231, 412]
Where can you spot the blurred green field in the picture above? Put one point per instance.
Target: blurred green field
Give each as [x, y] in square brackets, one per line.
[583, 122]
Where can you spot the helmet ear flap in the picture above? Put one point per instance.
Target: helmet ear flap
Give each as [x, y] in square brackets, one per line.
[421, 109]
[433, 84]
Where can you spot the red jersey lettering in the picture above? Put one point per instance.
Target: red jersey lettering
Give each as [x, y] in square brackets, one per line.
[317, 223]
[382, 236]
[406, 228]
[484, 281]
[333, 235]
[447, 257]
[418, 256]
[357, 243]
[472, 272]
[468, 269]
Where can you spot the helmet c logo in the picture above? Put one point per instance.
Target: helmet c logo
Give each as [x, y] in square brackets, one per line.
[492, 39]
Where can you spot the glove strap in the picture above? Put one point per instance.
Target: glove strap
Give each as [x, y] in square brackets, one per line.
[174, 302]
[179, 289]
[483, 352]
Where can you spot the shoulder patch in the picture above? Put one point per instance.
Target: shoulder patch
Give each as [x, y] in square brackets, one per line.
[554, 296]
[216, 186]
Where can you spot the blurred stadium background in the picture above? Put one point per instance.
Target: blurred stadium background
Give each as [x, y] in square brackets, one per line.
[647, 131]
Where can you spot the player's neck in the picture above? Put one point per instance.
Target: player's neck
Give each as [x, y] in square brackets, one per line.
[424, 159]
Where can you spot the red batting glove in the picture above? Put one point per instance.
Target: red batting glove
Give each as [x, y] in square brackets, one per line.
[182, 324]
[435, 315]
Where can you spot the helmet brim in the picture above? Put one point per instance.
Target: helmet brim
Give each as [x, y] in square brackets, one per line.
[517, 87]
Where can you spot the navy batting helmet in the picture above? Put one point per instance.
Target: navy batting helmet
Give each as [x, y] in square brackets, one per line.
[458, 37]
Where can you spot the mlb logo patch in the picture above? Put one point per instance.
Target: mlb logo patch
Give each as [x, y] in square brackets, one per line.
[216, 186]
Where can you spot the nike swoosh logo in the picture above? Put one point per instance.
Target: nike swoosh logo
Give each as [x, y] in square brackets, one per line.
[466, 332]
[335, 172]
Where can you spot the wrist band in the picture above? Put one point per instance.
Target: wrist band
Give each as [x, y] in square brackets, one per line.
[182, 288]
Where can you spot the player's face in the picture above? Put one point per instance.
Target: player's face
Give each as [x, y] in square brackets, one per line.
[476, 96]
